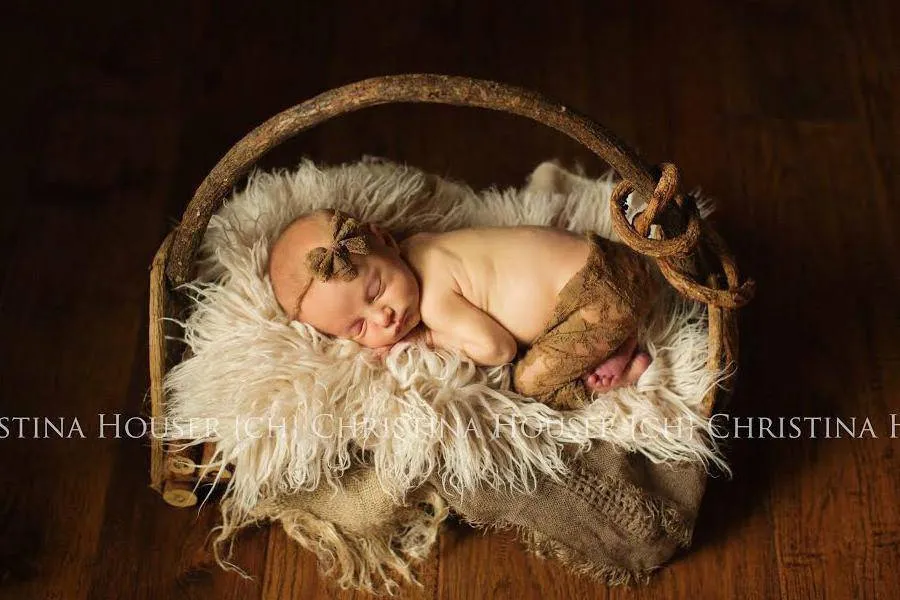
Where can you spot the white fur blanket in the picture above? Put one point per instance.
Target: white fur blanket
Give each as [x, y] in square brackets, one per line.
[289, 407]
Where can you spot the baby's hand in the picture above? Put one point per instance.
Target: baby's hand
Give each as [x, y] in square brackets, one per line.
[419, 333]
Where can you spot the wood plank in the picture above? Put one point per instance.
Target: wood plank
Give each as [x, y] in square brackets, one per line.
[477, 563]
[869, 39]
[813, 486]
[786, 111]
[732, 551]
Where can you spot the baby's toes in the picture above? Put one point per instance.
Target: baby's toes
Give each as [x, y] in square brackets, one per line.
[597, 383]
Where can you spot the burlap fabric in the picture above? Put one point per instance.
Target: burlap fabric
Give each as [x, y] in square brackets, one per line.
[615, 516]
[362, 536]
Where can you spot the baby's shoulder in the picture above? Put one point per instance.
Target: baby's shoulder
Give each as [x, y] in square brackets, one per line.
[435, 265]
[428, 254]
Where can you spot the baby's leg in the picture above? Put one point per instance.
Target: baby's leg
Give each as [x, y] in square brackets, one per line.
[604, 307]
[553, 369]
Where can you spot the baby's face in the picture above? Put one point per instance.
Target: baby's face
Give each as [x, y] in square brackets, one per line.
[377, 308]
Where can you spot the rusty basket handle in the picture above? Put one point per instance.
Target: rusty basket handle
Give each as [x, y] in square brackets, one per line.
[436, 89]
[666, 205]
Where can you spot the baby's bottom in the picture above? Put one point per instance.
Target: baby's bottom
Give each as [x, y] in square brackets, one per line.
[592, 330]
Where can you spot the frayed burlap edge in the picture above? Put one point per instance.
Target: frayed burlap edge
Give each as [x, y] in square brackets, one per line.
[377, 559]
[610, 575]
[654, 516]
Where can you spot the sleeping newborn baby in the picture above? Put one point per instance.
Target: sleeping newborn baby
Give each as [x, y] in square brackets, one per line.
[568, 306]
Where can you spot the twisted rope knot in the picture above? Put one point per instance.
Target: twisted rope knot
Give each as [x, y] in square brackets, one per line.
[671, 252]
[348, 237]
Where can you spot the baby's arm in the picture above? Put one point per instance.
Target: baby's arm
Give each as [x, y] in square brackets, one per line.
[458, 324]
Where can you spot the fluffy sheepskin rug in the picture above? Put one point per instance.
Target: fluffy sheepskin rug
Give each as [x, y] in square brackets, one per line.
[289, 407]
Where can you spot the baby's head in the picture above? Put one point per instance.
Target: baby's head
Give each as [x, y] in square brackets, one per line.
[345, 278]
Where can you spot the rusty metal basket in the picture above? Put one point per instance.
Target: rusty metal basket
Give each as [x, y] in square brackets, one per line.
[690, 254]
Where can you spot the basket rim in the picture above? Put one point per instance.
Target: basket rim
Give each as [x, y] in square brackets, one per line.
[174, 261]
[406, 88]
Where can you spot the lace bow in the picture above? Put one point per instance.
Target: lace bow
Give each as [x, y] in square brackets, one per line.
[347, 237]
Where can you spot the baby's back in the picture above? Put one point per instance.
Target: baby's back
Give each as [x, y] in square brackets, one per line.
[513, 274]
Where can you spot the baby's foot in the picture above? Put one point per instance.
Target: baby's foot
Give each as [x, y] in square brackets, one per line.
[612, 368]
[623, 368]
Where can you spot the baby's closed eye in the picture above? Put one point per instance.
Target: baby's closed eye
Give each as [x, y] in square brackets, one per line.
[374, 289]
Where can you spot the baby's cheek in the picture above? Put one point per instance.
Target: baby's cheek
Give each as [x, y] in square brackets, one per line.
[412, 291]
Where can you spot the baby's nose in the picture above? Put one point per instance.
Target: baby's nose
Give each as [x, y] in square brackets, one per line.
[386, 316]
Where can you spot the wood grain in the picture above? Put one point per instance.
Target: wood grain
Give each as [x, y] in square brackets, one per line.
[784, 111]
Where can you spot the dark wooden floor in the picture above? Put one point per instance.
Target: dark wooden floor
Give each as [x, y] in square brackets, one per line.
[788, 112]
